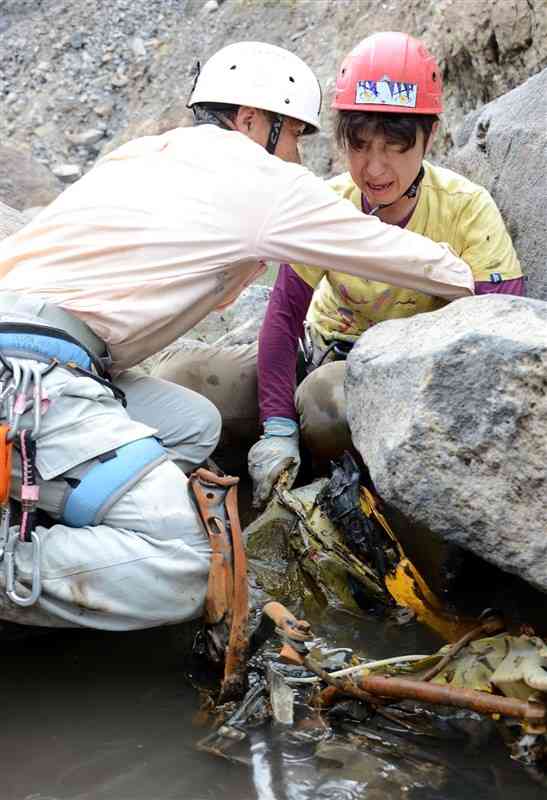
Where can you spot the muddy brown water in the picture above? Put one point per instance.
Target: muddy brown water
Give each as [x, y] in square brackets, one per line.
[93, 716]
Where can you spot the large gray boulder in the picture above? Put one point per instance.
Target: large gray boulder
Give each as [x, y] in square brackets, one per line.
[449, 411]
[504, 147]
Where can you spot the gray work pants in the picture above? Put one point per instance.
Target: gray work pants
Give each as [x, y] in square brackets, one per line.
[147, 563]
[227, 377]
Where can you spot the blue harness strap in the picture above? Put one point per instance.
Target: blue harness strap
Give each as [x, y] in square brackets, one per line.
[37, 345]
[109, 479]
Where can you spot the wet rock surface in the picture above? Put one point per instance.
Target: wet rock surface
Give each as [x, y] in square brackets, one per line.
[504, 147]
[449, 411]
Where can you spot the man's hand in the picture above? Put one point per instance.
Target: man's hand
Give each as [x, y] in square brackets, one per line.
[277, 450]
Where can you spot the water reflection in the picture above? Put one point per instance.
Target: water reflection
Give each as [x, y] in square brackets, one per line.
[93, 716]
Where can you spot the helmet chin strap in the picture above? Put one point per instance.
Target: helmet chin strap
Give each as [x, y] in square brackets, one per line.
[411, 192]
[275, 133]
[208, 117]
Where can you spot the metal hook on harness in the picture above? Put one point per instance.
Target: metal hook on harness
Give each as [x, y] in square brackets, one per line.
[21, 396]
[38, 372]
[9, 560]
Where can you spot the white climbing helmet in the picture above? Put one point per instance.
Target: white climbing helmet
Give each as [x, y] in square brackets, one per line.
[262, 76]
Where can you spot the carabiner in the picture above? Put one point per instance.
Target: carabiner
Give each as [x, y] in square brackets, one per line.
[19, 407]
[9, 389]
[37, 399]
[5, 516]
[9, 560]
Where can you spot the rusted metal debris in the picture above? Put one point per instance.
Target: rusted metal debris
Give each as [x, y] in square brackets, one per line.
[227, 603]
[490, 625]
[370, 687]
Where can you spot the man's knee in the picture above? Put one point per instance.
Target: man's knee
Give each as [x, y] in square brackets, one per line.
[321, 405]
[227, 377]
[209, 425]
[160, 507]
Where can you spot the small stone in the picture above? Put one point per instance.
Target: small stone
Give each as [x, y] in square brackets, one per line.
[77, 40]
[119, 80]
[138, 48]
[85, 138]
[67, 104]
[42, 131]
[104, 109]
[68, 173]
[210, 7]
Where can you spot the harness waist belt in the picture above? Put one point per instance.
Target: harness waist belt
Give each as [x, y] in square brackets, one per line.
[12, 302]
[40, 347]
[109, 478]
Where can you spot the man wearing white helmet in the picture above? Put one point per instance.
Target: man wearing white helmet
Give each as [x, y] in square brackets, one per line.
[161, 232]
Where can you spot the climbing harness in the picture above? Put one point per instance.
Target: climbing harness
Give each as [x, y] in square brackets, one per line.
[108, 478]
[314, 351]
[28, 352]
[227, 603]
[21, 391]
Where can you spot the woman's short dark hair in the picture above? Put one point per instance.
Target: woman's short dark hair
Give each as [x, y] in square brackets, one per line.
[354, 127]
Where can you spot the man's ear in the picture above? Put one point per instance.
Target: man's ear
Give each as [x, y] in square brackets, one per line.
[245, 118]
[429, 143]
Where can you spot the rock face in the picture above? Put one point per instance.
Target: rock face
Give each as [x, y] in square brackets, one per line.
[69, 66]
[10, 221]
[23, 181]
[504, 147]
[449, 411]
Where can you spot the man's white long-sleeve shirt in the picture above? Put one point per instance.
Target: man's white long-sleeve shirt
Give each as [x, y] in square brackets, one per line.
[167, 228]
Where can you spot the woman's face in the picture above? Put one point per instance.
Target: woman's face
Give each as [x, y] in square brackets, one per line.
[383, 169]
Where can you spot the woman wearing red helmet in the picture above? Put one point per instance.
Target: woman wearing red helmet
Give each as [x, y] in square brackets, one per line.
[388, 97]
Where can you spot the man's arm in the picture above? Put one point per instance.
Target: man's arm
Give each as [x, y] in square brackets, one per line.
[309, 224]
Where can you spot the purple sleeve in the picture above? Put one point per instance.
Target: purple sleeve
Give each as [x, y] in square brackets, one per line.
[511, 286]
[278, 344]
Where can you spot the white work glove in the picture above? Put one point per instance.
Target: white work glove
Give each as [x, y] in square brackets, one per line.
[276, 450]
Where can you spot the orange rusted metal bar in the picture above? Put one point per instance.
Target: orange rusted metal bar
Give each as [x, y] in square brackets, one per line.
[371, 688]
[481, 702]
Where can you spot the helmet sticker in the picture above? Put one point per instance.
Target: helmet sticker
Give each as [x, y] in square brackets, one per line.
[386, 92]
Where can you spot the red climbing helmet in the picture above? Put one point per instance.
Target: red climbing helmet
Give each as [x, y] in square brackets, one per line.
[391, 72]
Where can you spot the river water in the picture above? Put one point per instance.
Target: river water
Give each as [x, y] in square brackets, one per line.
[94, 716]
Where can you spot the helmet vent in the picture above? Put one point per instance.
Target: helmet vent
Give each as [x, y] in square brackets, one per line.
[434, 76]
